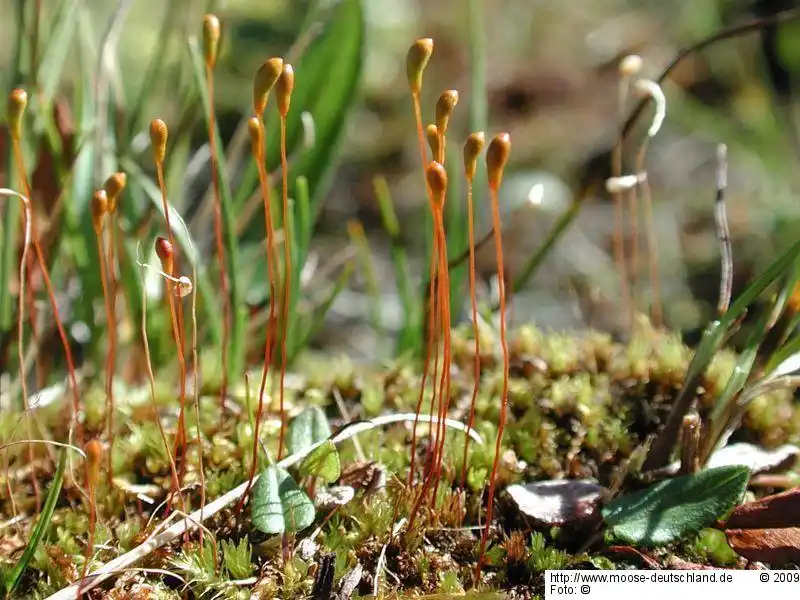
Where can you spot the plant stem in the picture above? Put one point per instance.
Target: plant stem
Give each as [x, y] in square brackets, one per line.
[109, 365]
[476, 372]
[223, 269]
[258, 130]
[287, 278]
[493, 192]
[176, 316]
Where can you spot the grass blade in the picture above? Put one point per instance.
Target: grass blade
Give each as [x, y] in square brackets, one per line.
[364, 255]
[41, 525]
[10, 229]
[709, 344]
[410, 338]
[318, 317]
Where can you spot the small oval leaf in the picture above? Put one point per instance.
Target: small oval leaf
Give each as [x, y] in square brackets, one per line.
[306, 429]
[676, 507]
[278, 505]
[323, 462]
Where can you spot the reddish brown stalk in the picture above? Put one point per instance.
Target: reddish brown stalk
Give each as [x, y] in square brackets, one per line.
[436, 179]
[94, 456]
[256, 132]
[417, 59]
[285, 85]
[211, 32]
[435, 315]
[25, 405]
[113, 187]
[21, 348]
[166, 254]
[99, 209]
[429, 346]
[264, 81]
[444, 384]
[158, 140]
[176, 488]
[18, 101]
[472, 149]
[496, 159]
[197, 378]
[445, 106]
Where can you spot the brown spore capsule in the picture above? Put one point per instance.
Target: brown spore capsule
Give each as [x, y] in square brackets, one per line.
[256, 131]
[432, 133]
[285, 86]
[113, 187]
[445, 106]
[98, 208]
[17, 103]
[265, 79]
[416, 60]
[94, 457]
[158, 139]
[496, 158]
[436, 176]
[210, 39]
[166, 254]
[473, 146]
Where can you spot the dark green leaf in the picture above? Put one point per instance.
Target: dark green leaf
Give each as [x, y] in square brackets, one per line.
[671, 509]
[323, 462]
[306, 429]
[278, 505]
[41, 525]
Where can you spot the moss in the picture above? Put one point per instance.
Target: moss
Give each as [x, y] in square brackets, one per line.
[579, 406]
[711, 546]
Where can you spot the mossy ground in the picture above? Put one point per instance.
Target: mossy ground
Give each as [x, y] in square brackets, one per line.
[580, 405]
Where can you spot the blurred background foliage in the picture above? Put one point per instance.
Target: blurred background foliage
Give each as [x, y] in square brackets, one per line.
[551, 80]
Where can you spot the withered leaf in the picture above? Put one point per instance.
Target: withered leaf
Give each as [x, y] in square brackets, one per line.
[778, 510]
[774, 546]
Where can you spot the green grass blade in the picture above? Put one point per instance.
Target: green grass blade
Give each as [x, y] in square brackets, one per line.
[290, 225]
[41, 525]
[305, 224]
[364, 256]
[410, 338]
[328, 76]
[51, 68]
[530, 268]
[9, 233]
[792, 346]
[231, 258]
[738, 379]
[456, 227]
[709, 345]
[79, 231]
[318, 317]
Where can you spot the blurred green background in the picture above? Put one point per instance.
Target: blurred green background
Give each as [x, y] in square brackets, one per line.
[551, 81]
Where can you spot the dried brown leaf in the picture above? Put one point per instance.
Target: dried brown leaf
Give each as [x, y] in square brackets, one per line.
[774, 546]
[778, 510]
